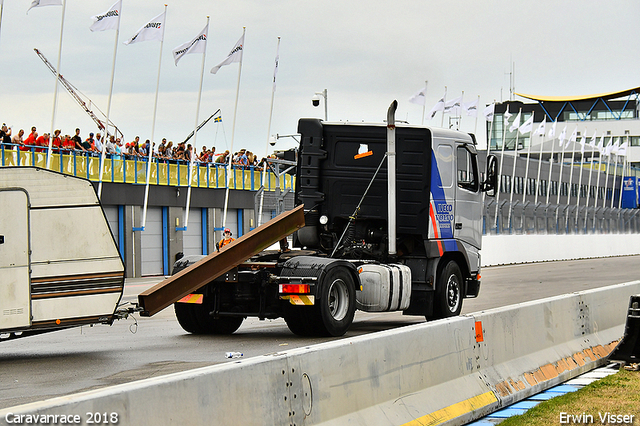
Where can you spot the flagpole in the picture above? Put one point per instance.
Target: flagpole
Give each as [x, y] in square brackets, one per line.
[613, 183]
[513, 173]
[195, 133]
[484, 194]
[606, 175]
[106, 125]
[553, 144]
[573, 157]
[273, 92]
[595, 201]
[55, 92]
[1, 10]
[624, 165]
[153, 128]
[537, 188]
[586, 216]
[475, 128]
[233, 132]
[526, 170]
[443, 106]
[504, 142]
[424, 106]
[580, 179]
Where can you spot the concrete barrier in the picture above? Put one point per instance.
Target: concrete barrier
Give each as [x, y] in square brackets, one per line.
[444, 372]
[510, 249]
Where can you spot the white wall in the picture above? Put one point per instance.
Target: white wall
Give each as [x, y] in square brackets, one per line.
[508, 249]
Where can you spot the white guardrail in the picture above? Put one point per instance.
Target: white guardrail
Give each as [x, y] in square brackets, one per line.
[510, 249]
[443, 372]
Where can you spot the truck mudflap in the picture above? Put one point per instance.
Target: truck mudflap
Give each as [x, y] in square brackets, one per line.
[214, 265]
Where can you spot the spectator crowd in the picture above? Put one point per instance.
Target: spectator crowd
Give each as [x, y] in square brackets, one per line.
[114, 148]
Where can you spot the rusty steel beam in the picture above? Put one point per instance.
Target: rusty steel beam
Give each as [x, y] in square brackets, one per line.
[203, 272]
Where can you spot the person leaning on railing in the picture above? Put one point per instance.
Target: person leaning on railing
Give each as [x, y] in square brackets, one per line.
[17, 139]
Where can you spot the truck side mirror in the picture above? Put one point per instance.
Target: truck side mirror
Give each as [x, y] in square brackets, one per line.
[490, 185]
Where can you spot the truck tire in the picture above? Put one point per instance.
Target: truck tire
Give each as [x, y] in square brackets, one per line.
[448, 301]
[335, 306]
[195, 319]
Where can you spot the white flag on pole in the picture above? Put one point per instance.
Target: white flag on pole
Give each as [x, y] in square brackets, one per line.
[108, 20]
[563, 135]
[552, 132]
[615, 147]
[439, 106]
[516, 123]
[38, 3]
[471, 108]
[582, 142]
[541, 127]
[526, 126]
[600, 145]
[453, 106]
[622, 150]
[234, 56]
[592, 141]
[573, 138]
[420, 97]
[489, 112]
[197, 45]
[152, 30]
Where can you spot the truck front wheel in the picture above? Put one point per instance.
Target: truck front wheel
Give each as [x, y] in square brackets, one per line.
[448, 301]
[336, 304]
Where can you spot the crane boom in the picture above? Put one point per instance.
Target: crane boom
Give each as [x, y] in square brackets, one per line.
[78, 97]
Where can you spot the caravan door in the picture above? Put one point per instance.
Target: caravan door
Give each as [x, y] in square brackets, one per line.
[15, 282]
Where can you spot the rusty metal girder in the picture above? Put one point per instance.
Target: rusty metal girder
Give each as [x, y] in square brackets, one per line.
[203, 272]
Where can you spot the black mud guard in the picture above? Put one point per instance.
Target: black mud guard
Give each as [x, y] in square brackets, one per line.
[628, 350]
[317, 267]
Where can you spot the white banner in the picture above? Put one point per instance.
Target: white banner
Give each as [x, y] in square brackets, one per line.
[526, 126]
[38, 3]
[420, 97]
[489, 112]
[471, 108]
[108, 20]
[152, 30]
[541, 127]
[453, 106]
[197, 45]
[516, 123]
[439, 106]
[234, 56]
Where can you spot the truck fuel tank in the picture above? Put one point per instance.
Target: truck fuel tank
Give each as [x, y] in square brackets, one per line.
[384, 287]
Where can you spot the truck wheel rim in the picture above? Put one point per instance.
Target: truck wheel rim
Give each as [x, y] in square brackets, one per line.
[338, 300]
[453, 293]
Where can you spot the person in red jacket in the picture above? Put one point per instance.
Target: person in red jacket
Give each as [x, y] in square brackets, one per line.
[30, 140]
[226, 240]
[43, 142]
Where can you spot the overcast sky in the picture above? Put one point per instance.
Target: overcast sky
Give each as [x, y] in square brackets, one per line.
[365, 53]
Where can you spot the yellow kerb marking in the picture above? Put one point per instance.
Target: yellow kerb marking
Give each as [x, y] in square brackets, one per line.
[456, 410]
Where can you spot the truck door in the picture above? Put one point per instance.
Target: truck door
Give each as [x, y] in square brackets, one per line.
[468, 210]
[15, 285]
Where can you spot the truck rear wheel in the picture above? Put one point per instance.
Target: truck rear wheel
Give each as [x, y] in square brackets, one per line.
[335, 305]
[195, 319]
[448, 301]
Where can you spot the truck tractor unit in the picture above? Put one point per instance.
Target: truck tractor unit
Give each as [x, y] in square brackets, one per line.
[388, 218]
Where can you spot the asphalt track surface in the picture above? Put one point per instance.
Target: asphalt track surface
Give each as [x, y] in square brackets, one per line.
[69, 361]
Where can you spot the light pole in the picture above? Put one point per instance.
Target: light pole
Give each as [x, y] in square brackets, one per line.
[316, 102]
